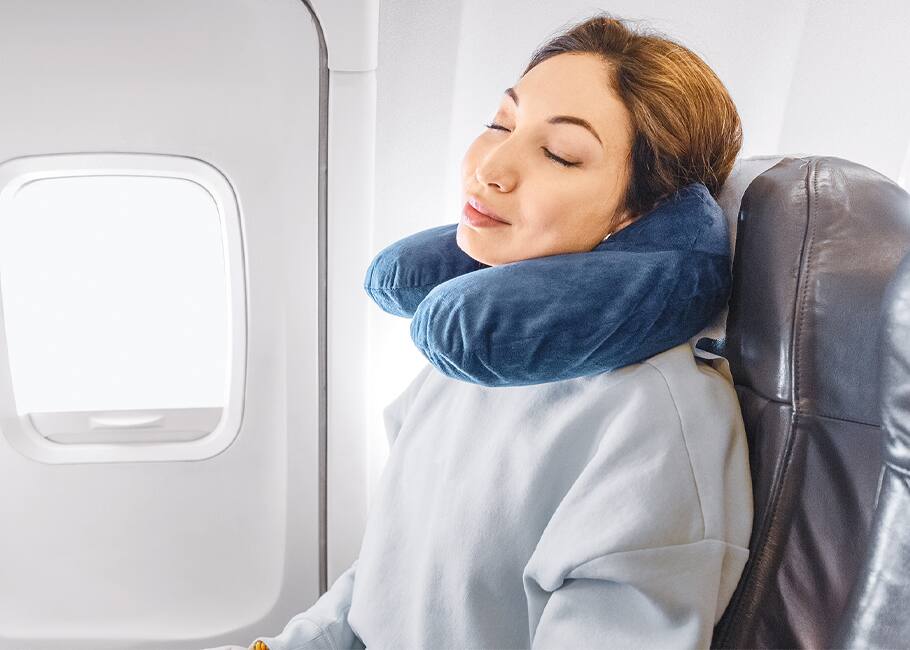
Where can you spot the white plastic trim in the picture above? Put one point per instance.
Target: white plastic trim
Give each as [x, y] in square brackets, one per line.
[351, 29]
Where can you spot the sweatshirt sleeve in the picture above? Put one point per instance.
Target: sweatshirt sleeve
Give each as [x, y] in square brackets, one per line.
[324, 626]
[664, 597]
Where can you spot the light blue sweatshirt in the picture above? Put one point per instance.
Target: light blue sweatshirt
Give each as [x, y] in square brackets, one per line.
[606, 511]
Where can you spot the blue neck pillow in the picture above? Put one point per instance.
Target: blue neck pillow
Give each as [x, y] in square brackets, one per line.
[647, 288]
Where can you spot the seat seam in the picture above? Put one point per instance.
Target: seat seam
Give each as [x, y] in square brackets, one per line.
[781, 471]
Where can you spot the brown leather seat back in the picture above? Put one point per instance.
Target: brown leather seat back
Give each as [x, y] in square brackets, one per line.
[817, 240]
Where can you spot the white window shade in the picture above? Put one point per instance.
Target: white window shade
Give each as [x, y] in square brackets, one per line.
[114, 294]
[122, 303]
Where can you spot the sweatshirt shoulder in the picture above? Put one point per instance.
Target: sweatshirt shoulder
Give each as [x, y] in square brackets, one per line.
[699, 386]
[715, 437]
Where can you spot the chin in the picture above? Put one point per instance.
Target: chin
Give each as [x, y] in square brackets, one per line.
[462, 238]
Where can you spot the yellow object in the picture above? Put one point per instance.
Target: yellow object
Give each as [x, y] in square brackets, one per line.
[259, 645]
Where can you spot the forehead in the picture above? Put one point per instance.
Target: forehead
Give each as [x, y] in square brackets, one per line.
[578, 85]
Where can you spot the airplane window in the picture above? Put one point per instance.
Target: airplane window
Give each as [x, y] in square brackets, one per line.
[114, 294]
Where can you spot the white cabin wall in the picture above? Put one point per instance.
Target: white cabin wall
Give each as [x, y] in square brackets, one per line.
[850, 95]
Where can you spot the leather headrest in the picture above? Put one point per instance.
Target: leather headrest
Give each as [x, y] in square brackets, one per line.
[817, 241]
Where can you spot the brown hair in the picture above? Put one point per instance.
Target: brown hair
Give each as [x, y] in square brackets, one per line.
[685, 125]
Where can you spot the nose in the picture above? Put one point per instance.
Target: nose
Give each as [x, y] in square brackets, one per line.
[484, 179]
[495, 169]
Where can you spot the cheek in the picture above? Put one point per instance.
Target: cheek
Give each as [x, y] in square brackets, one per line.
[546, 204]
[558, 213]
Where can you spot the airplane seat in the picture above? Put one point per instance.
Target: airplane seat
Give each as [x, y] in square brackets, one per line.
[817, 241]
[876, 614]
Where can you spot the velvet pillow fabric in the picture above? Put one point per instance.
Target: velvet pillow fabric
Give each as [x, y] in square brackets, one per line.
[647, 288]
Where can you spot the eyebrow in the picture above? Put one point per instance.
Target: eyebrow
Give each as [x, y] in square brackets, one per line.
[560, 119]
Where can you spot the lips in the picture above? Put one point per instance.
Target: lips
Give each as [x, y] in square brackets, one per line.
[479, 220]
[482, 209]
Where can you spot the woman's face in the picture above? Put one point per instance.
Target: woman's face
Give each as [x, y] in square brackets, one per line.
[548, 208]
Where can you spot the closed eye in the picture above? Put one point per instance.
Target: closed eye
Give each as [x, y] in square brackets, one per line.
[552, 156]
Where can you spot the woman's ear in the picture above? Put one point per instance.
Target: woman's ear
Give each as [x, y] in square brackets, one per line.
[626, 218]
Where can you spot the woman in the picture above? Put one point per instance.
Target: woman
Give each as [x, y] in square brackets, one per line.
[611, 510]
